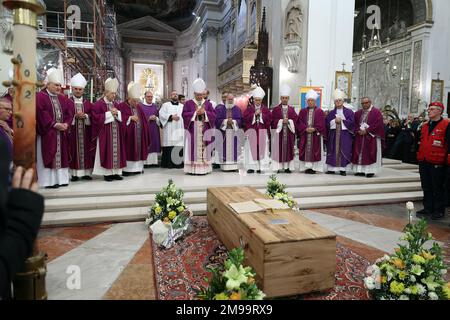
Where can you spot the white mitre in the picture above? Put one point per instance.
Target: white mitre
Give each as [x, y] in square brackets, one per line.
[55, 76]
[312, 94]
[259, 93]
[134, 90]
[339, 95]
[111, 85]
[78, 81]
[199, 86]
[285, 91]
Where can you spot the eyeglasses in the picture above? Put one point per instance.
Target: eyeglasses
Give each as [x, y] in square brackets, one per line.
[434, 109]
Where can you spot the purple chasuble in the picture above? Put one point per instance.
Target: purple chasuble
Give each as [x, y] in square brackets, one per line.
[340, 142]
[283, 143]
[155, 143]
[259, 131]
[137, 134]
[365, 147]
[111, 136]
[222, 113]
[82, 148]
[55, 144]
[309, 143]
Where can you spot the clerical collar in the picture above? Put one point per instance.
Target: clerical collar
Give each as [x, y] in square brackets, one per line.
[51, 94]
[285, 106]
[175, 103]
[258, 107]
[77, 99]
[199, 103]
[106, 100]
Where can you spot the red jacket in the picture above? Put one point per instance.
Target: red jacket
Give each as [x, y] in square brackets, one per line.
[434, 147]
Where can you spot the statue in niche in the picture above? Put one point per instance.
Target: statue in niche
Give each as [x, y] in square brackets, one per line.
[398, 28]
[293, 36]
[293, 24]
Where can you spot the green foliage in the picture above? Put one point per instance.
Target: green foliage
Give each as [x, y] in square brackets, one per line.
[277, 190]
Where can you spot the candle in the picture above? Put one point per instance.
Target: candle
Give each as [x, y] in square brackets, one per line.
[268, 97]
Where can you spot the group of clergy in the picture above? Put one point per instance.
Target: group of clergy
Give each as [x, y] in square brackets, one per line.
[77, 139]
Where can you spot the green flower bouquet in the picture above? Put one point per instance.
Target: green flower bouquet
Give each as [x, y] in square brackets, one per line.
[276, 190]
[412, 272]
[169, 218]
[232, 281]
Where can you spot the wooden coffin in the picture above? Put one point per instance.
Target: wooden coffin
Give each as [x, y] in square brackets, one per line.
[289, 259]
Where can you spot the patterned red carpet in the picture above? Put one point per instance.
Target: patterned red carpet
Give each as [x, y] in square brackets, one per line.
[180, 270]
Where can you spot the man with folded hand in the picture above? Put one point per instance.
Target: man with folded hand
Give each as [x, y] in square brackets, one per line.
[434, 162]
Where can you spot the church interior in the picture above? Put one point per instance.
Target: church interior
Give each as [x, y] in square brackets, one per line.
[109, 232]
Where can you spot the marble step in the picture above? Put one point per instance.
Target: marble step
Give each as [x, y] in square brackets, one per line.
[403, 166]
[142, 200]
[81, 217]
[310, 181]
[386, 161]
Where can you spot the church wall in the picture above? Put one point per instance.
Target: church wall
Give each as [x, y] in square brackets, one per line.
[330, 42]
[5, 58]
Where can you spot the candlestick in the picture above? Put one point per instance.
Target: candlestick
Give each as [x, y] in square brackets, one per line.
[268, 98]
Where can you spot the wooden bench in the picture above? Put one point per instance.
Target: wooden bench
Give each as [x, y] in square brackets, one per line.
[290, 254]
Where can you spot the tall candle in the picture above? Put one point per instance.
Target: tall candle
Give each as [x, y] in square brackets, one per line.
[92, 90]
[268, 97]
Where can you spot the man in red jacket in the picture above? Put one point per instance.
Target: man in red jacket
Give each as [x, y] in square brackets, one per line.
[434, 158]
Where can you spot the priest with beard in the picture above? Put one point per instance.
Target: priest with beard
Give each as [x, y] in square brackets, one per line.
[53, 118]
[80, 136]
[312, 133]
[170, 116]
[151, 112]
[199, 122]
[369, 140]
[228, 122]
[284, 119]
[340, 132]
[257, 118]
[109, 134]
[137, 132]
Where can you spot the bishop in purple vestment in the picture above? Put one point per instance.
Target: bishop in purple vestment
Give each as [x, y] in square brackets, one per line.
[152, 114]
[340, 132]
[257, 121]
[284, 119]
[6, 133]
[9, 96]
[228, 122]
[82, 148]
[199, 121]
[369, 140]
[109, 134]
[53, 118]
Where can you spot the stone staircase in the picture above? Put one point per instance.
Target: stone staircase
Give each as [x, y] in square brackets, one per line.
[397, 183]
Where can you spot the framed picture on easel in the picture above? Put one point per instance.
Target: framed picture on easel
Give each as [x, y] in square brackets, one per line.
[437, 90]
[343, 82]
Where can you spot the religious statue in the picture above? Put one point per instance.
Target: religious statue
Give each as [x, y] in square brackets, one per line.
[149, 83]
[293, 24]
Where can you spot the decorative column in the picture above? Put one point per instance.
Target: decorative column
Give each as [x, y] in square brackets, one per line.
[169, 58]
[209, 40]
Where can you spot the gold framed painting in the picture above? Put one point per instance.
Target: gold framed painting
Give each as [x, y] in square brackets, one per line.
[150, 76]
[343, 82]
[437, 90]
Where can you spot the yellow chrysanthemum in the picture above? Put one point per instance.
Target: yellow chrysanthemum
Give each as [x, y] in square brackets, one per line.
[402, 275]
[418, 259]
[221, 296]
[158, 210]
[235, 296]
[397, 287]
[172, 215]
[427, 255]
[446, 290]
[398, 263]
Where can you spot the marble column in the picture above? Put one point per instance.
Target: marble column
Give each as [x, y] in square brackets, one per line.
[209, 41]
[169, 58]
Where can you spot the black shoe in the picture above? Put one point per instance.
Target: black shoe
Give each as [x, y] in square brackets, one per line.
[147, 166]
[288, 171]
[87, 178]
[125, 174]
[360, 175]
[330, 172]
[216, 166]
[437, 216]
[423, 212]
[259, 171]
[64, 185]
[109, 178]
[117, 177]
[75, 179]
[250, 171]
[370, 175]
[56, 186]
[310, 171]
[343, 173]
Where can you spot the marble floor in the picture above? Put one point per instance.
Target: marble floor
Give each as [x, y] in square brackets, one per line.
[115, 260]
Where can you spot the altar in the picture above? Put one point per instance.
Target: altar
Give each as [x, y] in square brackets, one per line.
[291, 254]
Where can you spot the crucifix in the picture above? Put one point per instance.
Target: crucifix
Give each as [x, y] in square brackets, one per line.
[343, 66]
